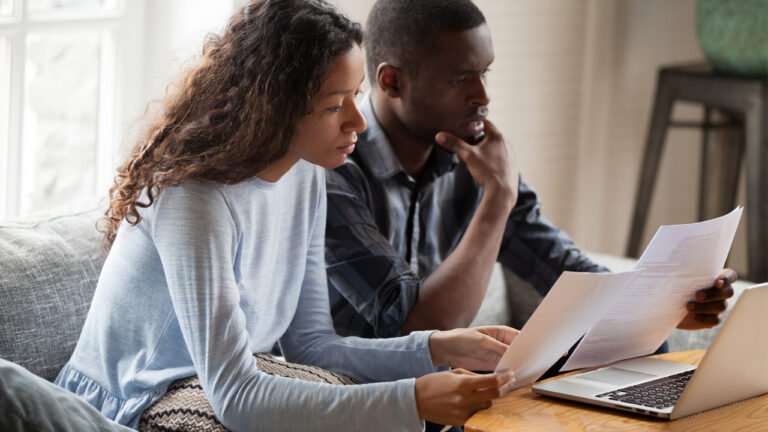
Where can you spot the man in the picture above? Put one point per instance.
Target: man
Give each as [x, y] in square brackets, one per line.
[414, 228]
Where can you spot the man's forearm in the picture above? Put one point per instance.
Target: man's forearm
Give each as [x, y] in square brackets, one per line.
[451, 296]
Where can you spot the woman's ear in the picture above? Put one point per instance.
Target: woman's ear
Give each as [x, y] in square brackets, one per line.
[389, 79]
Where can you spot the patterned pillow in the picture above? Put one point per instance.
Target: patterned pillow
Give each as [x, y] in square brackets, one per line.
[185, 407]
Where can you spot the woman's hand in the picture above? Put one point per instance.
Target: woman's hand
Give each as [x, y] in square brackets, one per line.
[478, 348]
[451, 397]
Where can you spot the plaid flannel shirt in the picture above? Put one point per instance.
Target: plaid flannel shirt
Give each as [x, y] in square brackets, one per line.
[386, 232]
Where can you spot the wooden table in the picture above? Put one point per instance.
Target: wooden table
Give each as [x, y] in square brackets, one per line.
[523, 410]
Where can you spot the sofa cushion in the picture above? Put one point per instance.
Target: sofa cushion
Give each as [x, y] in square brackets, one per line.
[49, 267]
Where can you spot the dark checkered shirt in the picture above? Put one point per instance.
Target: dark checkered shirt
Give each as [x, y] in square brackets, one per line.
[387, 232]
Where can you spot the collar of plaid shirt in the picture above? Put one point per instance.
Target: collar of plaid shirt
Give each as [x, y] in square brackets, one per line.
[379, 157]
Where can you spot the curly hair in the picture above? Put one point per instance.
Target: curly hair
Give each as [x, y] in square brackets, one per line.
[234, 114]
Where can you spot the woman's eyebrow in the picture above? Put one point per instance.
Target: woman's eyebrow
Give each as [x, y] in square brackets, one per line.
[341, 92]
[337, 92]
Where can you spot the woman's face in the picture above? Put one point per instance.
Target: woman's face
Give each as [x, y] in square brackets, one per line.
[328, 134]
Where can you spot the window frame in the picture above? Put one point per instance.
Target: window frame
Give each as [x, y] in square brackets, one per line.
[118, 90]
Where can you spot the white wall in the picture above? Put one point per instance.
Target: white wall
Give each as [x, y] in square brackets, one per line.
[173, 33]
[176, 30]
[642, 35]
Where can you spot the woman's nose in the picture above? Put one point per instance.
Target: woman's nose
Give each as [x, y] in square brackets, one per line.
[357, 122]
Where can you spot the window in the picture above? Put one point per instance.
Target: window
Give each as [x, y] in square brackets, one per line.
[5, 7]
[5, 91]
[59, 99]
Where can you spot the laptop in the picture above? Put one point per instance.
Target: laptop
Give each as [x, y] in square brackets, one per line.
[734, 368]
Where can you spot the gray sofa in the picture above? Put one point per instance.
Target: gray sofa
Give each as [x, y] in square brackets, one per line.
[48, 272]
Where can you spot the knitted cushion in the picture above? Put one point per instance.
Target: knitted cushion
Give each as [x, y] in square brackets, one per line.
[185, 407]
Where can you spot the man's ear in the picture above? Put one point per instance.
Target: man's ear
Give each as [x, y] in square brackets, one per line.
[389, 79]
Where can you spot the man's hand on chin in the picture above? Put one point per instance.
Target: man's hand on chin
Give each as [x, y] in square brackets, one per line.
[706, 309]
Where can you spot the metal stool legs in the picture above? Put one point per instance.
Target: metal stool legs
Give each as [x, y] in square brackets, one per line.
[741, 98]
[756, 140]
[654, 144]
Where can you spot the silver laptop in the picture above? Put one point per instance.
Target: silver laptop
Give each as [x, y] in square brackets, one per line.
[734, 368]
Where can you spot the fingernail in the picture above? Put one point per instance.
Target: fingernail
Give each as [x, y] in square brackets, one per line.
[690, 306]
[440, 138]
[720, 283]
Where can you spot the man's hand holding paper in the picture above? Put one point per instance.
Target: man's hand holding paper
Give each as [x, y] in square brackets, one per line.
[706, 309]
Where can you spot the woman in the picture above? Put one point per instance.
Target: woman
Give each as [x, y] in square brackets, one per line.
[216, 226]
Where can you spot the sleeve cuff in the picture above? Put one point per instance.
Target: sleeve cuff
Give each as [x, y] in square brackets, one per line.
[407, 393]
[423, 356]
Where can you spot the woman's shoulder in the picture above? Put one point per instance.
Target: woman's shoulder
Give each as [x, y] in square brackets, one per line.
[192, 193]
[191, 206]
[193, 199]
[204, 196]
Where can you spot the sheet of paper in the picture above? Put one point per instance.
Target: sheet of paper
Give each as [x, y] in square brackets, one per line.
[571, 307]
[680, 260]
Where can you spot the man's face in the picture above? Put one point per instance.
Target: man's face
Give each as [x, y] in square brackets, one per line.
[448, 92]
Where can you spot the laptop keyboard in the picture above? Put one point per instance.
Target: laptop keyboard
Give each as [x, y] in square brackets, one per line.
[660, 393]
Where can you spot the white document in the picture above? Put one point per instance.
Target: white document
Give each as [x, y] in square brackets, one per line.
[680, 260]
[572, 306]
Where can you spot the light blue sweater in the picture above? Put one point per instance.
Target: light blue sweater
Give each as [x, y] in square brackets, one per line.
[214, 273]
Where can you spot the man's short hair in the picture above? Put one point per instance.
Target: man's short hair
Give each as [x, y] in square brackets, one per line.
[400, 31]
